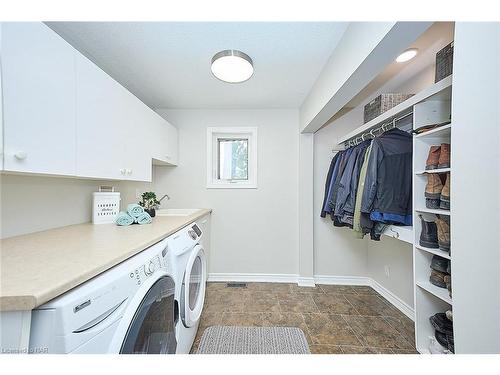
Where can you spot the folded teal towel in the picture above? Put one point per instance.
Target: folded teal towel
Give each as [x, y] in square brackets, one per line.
[123, 218]
[143, 218]
[134, 210]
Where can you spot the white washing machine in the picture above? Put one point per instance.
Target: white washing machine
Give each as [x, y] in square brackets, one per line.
[188, 267]
[128, 309]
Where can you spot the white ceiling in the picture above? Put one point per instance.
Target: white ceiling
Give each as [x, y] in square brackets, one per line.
[167, 64]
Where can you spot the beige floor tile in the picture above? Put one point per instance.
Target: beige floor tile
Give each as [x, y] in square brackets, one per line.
[364, 350]
[270, 287]
[337, 289]
[333, 303]
[306, 289]
[405, 326]
[361, 289]
[376, 332]
[298, 303]
[329, 330]
[325, 349]
[241, 319]
[371, 305]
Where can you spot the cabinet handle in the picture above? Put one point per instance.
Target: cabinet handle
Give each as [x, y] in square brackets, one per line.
[129, 171]
[122, 171]
[21, 155]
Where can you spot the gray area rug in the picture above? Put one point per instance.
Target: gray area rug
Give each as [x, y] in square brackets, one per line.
[253, 340]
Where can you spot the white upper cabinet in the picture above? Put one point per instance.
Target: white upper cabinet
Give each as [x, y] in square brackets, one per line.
[63, 115]
[38, 72]
[109, 143]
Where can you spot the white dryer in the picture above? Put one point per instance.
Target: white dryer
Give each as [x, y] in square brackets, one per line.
[188, 267]
[127, 309]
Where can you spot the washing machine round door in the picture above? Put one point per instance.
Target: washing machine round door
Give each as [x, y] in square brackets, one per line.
[152, 326]
[193, 287]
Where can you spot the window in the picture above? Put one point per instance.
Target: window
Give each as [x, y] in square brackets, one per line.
[232, 158]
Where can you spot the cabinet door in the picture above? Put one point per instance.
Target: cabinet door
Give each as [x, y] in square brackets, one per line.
[172, 143]
[38, 72]
[100, 141]
[109, 128]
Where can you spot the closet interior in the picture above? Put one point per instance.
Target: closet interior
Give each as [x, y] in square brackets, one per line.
[430, 107]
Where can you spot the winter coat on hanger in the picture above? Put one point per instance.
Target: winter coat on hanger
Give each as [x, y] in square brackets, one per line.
[356, 225]
[328, 183]
[387, 192]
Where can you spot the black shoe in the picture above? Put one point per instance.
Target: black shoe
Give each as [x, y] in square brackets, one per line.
[441, 323]
[445, 340]
[440, 264]
[428, 235]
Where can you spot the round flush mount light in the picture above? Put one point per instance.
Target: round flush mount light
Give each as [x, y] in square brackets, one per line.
[232, 66]
[407, 55]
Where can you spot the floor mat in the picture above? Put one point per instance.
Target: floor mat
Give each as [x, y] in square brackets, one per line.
[253, 340]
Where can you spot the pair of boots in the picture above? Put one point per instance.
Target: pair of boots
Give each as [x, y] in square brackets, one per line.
[437, 195]
[436, 234]
[439, 157]
[440, 272]
[443, 330]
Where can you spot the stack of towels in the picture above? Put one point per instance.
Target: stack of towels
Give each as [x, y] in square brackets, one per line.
[134, 214]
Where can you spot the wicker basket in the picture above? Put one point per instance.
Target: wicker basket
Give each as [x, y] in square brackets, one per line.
[383, 103]
[444, 62]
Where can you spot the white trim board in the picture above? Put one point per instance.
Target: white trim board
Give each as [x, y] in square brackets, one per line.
[253, 277]
[318, 279]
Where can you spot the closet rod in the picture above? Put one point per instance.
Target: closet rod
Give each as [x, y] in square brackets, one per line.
[356, 140]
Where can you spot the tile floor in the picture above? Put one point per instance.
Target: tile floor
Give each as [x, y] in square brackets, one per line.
[336, 319]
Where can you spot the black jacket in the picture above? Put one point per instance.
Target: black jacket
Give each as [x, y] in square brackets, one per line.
[388, 182]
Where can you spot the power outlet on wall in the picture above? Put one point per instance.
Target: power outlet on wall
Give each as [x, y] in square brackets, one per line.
[387, 271]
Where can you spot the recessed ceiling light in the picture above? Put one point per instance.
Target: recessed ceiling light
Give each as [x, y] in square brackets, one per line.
[232, 66]
[407, 55]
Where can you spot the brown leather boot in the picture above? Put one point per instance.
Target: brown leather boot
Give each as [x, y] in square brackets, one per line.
[444, 156]
[445, 194]
[434, 186]
[443, 229]
[433, 157]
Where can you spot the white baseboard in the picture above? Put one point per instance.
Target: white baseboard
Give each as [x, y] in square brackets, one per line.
[342, 280]
[306, 281]
[311, 281]
[253, 277]
[394, 300]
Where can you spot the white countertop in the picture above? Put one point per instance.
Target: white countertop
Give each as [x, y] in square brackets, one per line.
[38, 267]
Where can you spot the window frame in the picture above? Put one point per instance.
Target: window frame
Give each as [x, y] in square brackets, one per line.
[229, 133]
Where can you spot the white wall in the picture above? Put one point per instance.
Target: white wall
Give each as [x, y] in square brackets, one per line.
[253, 230]
[35, 203]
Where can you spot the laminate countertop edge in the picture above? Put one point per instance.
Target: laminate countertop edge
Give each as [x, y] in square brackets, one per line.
[38, 267]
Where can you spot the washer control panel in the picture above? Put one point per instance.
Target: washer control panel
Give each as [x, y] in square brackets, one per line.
[147, 269]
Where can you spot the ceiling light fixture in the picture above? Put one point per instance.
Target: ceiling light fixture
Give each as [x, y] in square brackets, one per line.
[232, 66]
[407, 55]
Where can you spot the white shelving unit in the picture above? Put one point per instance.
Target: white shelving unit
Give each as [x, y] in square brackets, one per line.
[429, 298]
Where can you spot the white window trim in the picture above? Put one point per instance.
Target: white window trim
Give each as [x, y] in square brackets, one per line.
[225, 132]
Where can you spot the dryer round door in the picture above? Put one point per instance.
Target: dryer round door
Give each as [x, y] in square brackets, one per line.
[193, 287]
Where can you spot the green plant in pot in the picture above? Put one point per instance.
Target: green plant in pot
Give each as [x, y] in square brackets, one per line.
[149, 203]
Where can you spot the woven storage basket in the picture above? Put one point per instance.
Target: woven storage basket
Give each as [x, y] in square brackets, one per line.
[106, 205]
[444, 62]
[383, 103]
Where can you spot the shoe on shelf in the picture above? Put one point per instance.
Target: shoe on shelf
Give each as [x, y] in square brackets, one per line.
[444, 156]
[445, 340]
[440, 264]
[428, 235]
[447, 280]
[441, 323]
[432, 203]
[433, 158]
[445, 194]
[443, 229]
[449, 314]
[434, 186]
[437, 278]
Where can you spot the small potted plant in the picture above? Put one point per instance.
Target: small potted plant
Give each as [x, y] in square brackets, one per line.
[149, 203]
